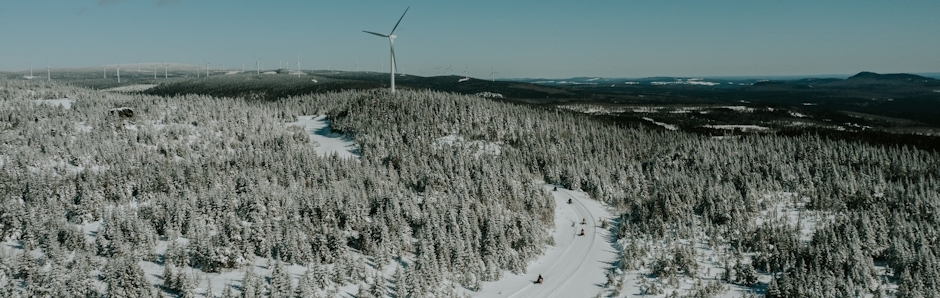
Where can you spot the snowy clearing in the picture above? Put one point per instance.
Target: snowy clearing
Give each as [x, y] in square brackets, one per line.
[737, 127]
[482, 148]
[666, 125]
[131, 88]
[64, 102]
[327, 142]
[575, 266]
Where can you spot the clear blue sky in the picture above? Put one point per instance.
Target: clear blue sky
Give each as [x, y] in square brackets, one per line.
[517, 38]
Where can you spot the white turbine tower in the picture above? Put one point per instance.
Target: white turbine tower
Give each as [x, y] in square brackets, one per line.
[30, 70]
[451, 70]
[492, 72]
[165, 67]
[154, 71]
[119, 73]
[207, 68]
[48, 74]
[105, 71]
[258, 64]
[391, 42]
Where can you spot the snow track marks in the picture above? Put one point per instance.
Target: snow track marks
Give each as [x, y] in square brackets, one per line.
[576, 265]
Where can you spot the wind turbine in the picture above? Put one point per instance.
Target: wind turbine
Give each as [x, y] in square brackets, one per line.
[258, 64]
[105, 71]
[48, 74]
[154, 71]
[119, 73]
[466, 74]
[438, 69]
[492, 72]
[138, 65]
[30, 70]
[165, 66]
[449, 69]
[223, 66]
[391, 42]
[207, 68]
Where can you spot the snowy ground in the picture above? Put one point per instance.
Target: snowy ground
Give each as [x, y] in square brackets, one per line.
[64, 102]
[663, 124]
[479, 147]
[131, 88]
[575, 266]
[738, 127]
[327, 142]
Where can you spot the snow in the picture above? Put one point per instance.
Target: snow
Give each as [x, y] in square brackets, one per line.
[741, 109]
[326, 142]
[482, 147]
[790, 209]
[463, 80]
[798, 115]
[738, 127]
[666, 125]
[131, 88]
[575, 266]
[487, 94]
[64, 102]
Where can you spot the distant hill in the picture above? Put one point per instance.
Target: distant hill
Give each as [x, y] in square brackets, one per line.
[870, 78]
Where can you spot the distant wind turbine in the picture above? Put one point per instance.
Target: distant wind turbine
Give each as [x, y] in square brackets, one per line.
[119, 73]
[105, 71]
[438, 69]
[391, 42]
[223, 66]
[451, 70]
[165, 67]
[207, 68]
[138, 65]
[258, 64]
[30, 70]
[154, 71]
[492, 72]
[48, 74]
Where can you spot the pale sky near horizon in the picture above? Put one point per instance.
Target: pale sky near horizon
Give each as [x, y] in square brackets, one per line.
[548, 39]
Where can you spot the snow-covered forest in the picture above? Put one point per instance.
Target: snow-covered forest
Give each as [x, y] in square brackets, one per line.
[196, 196]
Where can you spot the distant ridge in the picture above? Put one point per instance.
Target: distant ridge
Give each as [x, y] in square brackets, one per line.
[903, 77]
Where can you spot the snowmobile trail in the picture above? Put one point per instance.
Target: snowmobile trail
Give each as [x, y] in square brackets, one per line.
[576, 265]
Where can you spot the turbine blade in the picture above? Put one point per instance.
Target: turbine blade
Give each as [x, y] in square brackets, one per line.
[399, 21]
[373, 33]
